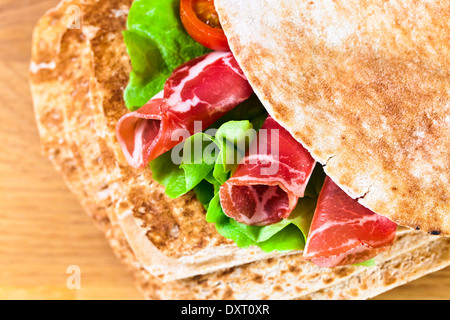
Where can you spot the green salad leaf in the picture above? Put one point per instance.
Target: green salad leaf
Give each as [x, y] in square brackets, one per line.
[157, 43]
[286, 235]
[199, 160]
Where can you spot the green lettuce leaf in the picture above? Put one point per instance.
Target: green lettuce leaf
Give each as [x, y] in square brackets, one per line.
[368, 263]
[233, 141]
[286, 235]
[157, 43]
[195, 165]
[198, 157]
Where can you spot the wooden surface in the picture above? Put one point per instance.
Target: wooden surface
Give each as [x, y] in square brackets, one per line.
[43, 229]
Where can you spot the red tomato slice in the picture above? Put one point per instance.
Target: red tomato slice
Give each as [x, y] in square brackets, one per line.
[201, 21]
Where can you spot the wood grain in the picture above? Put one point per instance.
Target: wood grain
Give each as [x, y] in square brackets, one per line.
[43, 229]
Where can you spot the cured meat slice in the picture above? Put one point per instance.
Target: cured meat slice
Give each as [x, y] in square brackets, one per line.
[345, 232]
[197, 94]
[137, 131]
[268, 182]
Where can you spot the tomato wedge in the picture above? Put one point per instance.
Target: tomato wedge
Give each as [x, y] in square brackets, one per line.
[201, 21]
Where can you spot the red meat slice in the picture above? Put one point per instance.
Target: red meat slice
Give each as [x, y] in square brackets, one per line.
[345, 232]
[196, 95]
[268, 182]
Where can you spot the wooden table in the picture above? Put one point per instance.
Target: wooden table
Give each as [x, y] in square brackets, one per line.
[43, 229]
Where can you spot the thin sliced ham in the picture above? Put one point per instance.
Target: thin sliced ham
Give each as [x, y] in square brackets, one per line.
[268, 182]
[197, 94]
[344, 232]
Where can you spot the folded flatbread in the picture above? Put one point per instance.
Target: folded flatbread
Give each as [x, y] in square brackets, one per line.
[77, 80]
[365, 87]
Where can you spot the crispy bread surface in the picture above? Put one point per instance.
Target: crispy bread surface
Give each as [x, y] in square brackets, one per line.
[77, 81]
[365, 87]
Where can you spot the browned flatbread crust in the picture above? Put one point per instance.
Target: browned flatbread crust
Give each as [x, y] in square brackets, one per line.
[164, 233]
[365, 86]
[77, 81]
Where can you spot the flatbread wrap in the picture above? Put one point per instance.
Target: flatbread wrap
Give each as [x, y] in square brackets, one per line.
[80, 81]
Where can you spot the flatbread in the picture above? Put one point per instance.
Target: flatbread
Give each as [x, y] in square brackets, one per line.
[164, 233]
[77, 84]
[365, 87]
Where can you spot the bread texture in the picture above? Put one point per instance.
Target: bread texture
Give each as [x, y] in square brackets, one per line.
[365, 87]
[77, 78]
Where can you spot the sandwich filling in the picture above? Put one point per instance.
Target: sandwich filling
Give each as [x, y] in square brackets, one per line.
[192, 95]
[268, 182]
[199, 127]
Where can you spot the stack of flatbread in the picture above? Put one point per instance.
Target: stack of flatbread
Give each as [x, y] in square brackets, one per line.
[77, 79]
